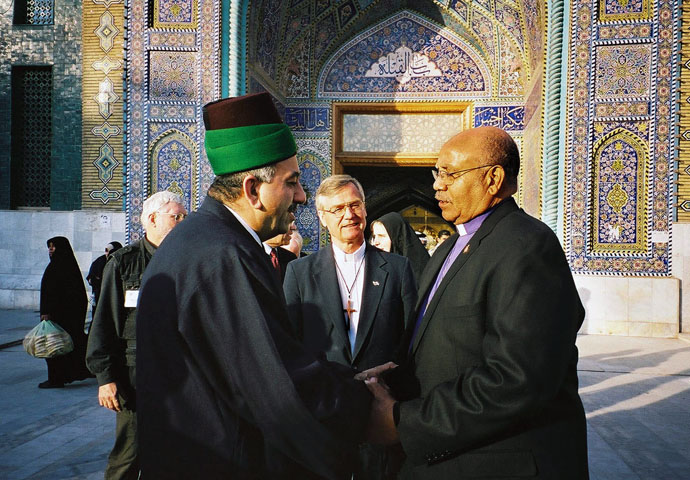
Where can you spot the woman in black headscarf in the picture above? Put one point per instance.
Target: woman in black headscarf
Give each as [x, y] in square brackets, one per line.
[63, 301]
[393, 234]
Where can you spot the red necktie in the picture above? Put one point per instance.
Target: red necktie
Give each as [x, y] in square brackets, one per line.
[274, 260]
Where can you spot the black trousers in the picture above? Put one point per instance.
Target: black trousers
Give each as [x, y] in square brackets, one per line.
[123, 461]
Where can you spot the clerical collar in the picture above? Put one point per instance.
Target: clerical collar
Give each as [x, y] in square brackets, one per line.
[473, 225]
[342, 257]
[254, 235]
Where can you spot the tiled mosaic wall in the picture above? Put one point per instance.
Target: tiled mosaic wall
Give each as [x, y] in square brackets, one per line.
[58, 45]
[620, 148]
[364, 51]
[172, 70]
[103, 125]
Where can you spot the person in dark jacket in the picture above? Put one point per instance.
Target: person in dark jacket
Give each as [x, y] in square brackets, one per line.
[111, 352]
[63, 301]
[95, 275]
[392, 233]
[224, 387]
[488, 388]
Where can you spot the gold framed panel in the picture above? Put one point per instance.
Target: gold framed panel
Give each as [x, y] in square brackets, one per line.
[342, 158]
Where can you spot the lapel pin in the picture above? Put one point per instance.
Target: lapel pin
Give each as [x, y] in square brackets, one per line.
[375, 283]
[467, 249]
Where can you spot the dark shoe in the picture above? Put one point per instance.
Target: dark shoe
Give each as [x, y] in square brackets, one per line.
[49, 384]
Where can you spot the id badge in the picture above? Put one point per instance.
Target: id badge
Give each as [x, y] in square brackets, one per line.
[131, 298]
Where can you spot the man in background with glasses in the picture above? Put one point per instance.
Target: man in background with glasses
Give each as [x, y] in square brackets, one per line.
[111, 350]
[351, 300]
[489, 385]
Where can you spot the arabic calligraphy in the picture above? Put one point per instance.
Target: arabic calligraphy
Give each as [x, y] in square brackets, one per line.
[507, 117]
[403, 64]
[307, 119]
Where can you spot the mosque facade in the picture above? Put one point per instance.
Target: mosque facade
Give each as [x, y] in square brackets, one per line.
[595, 93]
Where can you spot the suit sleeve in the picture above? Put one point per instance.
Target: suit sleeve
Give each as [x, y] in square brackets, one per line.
[409, 293]
[293, 301]
[105, 352]
[532, 313]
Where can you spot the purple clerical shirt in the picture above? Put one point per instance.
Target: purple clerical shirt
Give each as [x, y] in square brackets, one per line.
[466, 232]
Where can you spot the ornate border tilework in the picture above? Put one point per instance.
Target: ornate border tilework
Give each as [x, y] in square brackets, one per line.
[616, 10]
[651, 254]
[148, 120]
[178, 14]
[102, 123]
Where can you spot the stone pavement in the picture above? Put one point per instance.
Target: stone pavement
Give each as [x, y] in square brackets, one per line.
[636, 393]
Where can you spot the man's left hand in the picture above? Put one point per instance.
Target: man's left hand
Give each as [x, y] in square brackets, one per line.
[381, 427]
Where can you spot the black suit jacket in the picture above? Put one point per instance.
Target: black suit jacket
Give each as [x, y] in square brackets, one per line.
[491, 383]
[315, 306]
[224, 389]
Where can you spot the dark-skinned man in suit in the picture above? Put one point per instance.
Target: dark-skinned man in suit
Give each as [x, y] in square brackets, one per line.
[489, 384]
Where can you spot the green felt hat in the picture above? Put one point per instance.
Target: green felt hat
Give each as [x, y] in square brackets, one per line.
[244, 133]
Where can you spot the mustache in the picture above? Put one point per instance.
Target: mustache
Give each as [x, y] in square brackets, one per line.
[293, 208]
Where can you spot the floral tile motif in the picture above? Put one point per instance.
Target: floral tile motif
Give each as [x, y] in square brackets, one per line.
[623, 71]
[297, 22]
[620, 74]
[172, 75]
[324, 33]
[460, 8]
[178, 14]
[533, 11]
[295, 78]
[174, 159]
[485, 30]
[511, 80]
[313, 157]
[461, 71]
[620, 161]
[346, 12]
[171, 81]
[621, 109]
[616, 10]
[625, 31]
[510, 18]
[268, 35]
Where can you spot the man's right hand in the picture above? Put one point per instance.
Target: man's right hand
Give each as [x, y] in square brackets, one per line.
[375, 371]
[107, 396]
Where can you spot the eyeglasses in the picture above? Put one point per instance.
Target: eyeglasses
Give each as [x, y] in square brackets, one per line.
[447, 178]
[177, 216]
[339, 211]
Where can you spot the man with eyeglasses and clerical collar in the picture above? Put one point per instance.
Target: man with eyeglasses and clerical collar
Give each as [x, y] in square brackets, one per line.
[351, 300]
[224, 387]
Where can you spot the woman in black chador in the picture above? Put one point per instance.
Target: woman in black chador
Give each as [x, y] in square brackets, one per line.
[63, 301]
[392, 233]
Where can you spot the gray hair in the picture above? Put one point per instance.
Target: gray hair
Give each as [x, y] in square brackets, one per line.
[333, 184]
[228, 187]
[157, 201]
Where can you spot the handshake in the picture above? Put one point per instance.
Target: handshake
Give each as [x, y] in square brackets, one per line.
[381, 428]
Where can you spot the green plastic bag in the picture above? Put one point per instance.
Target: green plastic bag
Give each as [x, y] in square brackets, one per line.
[47, 340]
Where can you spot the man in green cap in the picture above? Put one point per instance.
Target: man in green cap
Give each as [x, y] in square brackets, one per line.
[224, 389]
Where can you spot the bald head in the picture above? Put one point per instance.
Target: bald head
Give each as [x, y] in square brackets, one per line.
[491, 146]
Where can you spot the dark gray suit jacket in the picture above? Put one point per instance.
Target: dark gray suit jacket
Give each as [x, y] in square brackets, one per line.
[491, 384]
[315, 306]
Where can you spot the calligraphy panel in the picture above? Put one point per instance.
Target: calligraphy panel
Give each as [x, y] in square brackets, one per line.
[506, 117]
[405, 55]
[308, 119]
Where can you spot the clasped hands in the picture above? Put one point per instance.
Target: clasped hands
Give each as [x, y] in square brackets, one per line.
[381, 427]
